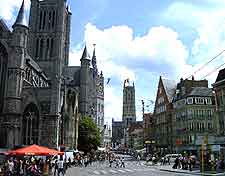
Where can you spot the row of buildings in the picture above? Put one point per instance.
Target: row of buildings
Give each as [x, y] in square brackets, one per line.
[42, 98]
[187, 116]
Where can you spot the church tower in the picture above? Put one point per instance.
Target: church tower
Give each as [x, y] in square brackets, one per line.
[12, 106]
[84, 83]
[129, 110]
[49, 31]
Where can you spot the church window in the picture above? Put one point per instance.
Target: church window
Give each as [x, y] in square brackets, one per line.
[51, 47]
[44, 20]
[53, 19]
[3, 73]
[47, 49]
[40, 22]
[41, 48]
[49, 19]
[37, 48]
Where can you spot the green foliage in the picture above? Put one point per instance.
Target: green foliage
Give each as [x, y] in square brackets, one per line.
[89, 135]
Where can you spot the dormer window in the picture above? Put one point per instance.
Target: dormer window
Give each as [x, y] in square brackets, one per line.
[199, 100]
[208, 101]
[189, 100]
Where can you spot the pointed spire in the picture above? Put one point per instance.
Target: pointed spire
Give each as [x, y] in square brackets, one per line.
[85, 54]
[94, 61]
[21, 18]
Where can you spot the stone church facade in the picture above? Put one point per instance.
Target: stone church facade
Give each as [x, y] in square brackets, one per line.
[41, 97]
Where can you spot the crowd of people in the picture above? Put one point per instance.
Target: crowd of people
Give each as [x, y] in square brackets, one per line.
[22, 166]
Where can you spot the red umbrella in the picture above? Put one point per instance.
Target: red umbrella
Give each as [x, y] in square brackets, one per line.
[35, 150]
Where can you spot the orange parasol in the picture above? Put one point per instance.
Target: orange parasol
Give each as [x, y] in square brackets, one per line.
[35, 150]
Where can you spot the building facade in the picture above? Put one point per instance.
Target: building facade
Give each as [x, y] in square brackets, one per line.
[194, 106]
[41, 96]
[219, 88]
[149, 132]
[163, 113]
[136, 136]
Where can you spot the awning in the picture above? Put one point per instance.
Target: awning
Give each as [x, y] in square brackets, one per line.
[34, 150]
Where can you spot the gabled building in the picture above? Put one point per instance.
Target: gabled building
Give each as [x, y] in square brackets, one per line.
[194, 106]
[162, 117]
[219, 88]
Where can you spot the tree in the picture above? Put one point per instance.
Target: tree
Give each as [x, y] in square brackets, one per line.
[89, 135]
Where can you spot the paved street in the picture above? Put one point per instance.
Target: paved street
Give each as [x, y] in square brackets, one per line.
[132, 169]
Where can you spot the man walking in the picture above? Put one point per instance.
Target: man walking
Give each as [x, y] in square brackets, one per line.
[60, 166]
[122, 162]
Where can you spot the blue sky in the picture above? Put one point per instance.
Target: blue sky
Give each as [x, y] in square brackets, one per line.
[142, 40]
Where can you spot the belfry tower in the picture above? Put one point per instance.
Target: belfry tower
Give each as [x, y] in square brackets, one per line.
[129, 110]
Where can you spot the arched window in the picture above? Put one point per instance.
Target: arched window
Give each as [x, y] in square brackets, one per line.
[44, 20]
[53, 19]
[40, 21]
[51, 47]
[41, 48]
[3, 74]
[49, 19]
[47, 49]
[37, 48]
[30, 125]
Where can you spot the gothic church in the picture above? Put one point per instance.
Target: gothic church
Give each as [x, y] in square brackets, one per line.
[41, 97]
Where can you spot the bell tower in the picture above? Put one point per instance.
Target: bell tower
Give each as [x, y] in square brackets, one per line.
[49, 31]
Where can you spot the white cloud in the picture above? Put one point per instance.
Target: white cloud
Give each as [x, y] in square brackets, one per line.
[113, 104]
[8, 7]
[207, 19]
[121, 55]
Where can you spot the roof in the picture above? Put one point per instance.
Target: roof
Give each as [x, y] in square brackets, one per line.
[72, 75]
[201, 91]
[170, 87]
[221, 75]
[85, 54]
[21, 18]
[3, 25]
[35, 66]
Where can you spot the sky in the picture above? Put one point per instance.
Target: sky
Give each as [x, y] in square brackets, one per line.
[142, 40]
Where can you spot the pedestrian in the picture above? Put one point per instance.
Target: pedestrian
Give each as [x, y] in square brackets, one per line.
[85, 161]
[122, 162]
[138, 159]
[110, 162]
[176, 163]
[55, 167]
[69, 162]
[10, 167]
[117, 162]
[60, 166]
[190, 163]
